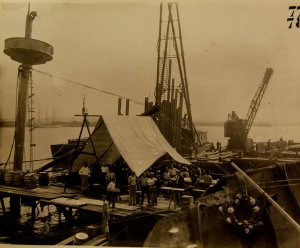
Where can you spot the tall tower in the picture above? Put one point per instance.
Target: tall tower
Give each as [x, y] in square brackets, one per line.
[172, 93]
[28, 52]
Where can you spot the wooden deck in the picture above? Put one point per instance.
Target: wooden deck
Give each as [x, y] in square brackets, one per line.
[37, 193]
[73, 199]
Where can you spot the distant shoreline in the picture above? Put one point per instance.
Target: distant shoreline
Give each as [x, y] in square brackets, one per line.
[93, 123]
[219, 123]
[53, 124]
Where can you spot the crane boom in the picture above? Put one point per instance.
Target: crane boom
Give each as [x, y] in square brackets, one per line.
[257, 100]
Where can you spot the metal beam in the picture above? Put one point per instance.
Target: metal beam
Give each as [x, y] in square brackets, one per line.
[268, 197]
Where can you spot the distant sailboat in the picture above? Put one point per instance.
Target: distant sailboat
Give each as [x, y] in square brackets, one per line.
[47, 124]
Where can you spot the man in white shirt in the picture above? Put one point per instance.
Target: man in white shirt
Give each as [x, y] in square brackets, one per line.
[112, 192]
[152, 188]
[84, 172]
[173, 171]
[110, 175]
[104, 171]
[132, 186]
[105, 217]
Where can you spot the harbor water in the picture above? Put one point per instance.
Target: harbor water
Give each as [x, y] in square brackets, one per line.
[44, 137]
[47, 223]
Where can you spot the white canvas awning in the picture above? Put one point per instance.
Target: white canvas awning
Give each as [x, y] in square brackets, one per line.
[136, 138]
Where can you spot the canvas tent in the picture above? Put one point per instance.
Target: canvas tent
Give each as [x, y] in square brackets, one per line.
[136, 138]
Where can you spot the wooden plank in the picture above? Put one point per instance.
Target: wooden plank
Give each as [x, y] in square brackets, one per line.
[172, 188]
[67, 241]
[74, 203]
[104, 244]
[21, 192]
[92, 201]
[198, 190]
[29, 193]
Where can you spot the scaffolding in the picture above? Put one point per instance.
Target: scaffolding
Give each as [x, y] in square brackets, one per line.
[171, 93]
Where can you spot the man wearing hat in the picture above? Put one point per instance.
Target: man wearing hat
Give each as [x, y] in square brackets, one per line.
[84, 172]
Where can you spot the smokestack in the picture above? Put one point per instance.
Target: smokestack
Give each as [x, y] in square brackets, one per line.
[146, 104]
[119, 106]
[127, 107]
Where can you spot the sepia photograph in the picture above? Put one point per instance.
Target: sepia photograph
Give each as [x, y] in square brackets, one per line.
[130, 123]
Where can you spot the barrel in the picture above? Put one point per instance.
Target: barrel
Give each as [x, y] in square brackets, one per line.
[2, 174]
[31, 180]
[80, 238]
[186, 201]
[94, 230]
[260, 147]
[17, 178]
[43, 179]
[8, 177]
[52, 177]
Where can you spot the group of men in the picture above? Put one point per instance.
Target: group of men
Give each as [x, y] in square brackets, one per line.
[147, 184]
[109, 179]
[151, 182]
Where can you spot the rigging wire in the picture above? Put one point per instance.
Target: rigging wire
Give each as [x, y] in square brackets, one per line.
[87, 86]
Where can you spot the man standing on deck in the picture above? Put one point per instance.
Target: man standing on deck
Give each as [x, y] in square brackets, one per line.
[179, 184]
[112, 192]
[104, 171]
[152, 188]
[84, 172]
[144, 188]
[132, 184]
[110, 175]
[105, 217]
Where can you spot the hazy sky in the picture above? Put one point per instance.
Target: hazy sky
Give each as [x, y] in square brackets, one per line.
[111, 45]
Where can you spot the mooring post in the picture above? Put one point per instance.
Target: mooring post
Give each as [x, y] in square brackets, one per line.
[33, 206]
[2, 205]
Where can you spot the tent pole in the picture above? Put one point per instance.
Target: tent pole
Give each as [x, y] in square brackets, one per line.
[90, 136]
[75, 151]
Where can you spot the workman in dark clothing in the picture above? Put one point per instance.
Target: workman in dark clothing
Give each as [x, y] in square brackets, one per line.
[112, 192]
[132, 186]
[179, 184]
[152, 188]
[145, 189]
[179, 180]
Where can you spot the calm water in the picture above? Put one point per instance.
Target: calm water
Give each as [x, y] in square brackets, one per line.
[44, 137]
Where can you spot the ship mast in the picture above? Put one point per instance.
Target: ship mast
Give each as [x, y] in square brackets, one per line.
[28, 52]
